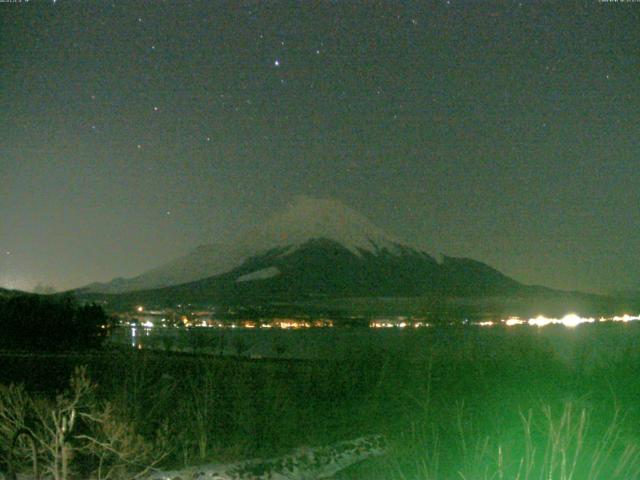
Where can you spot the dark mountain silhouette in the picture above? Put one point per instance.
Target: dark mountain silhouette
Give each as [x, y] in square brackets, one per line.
[316, 249]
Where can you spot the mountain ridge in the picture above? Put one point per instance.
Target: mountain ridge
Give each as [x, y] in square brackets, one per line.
[306, 218]
[315, 248]
[325, 269]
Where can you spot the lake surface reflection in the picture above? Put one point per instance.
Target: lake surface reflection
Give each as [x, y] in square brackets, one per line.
[586, 346]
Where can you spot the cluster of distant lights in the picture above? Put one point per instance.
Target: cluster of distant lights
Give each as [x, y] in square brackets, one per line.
[281, 323]
[571, 320]
[284, 325]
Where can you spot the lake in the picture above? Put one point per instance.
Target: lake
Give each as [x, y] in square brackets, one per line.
[584, 346]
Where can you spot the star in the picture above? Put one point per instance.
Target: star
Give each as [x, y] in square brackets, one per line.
[276, 62]
[155, 109]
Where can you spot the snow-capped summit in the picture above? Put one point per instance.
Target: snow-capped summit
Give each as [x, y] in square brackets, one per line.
[314, 247]
[310, 218]
[305, 219]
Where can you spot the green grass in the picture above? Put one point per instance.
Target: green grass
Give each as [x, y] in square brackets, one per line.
[508, 412]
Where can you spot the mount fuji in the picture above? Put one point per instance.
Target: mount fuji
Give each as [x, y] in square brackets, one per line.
[315, 247]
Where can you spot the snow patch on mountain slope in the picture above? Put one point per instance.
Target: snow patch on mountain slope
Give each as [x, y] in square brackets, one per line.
[259, 274]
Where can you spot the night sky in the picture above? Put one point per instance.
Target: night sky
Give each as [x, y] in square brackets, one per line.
[132, 132]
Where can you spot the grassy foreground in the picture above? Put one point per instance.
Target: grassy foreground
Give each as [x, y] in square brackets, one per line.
[511, 412]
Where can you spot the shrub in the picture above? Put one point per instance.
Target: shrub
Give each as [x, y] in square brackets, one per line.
[74, 426]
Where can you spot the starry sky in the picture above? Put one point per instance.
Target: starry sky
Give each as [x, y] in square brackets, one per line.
[134, 131]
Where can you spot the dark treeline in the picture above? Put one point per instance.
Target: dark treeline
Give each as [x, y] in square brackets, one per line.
[45, 323]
